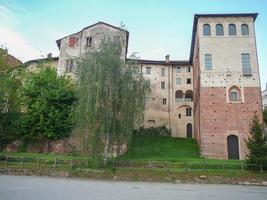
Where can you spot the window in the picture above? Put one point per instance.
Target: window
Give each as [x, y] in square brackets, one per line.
[232, 29]
[189, 95]
[219, 30]
[234, 94]
[135, 70]
[89, 41]
[179, 95]
[163, 85]
[244, 29]
[148, 70]
[147, 82]
[162, 71]
[178, 81]
[208, 61]
[246, 64]
[179, 116]
[188, 69]
[188, 81]
[72, 41]
[117, 39]
[147, 98]
[151, 123]
[178, 69]
[69, 65]
[164, 101]
[206, 30]
[188, 111]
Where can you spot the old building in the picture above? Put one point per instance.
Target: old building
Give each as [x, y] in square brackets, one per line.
[8, 61]
[86, 40]
[34, 65]
[211, 97]
[264, 98]
[226, 83]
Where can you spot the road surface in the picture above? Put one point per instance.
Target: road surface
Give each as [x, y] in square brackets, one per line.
[47, 188]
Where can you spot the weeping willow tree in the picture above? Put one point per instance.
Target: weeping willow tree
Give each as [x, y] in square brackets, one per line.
[110, 101]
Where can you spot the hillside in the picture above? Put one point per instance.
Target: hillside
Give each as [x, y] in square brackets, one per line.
[162, 148]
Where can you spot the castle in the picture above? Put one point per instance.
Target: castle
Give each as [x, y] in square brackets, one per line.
[210, 97]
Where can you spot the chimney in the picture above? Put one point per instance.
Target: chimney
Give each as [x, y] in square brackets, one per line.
[49, 55]
[167, 58]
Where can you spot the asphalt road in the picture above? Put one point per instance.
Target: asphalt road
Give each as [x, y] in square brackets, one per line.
[40, 188]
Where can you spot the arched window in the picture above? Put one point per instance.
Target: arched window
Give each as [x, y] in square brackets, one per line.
[234, 94]
[179, 95]
[206, 30]
[244, 29]
[232, 29]
[189, 95]
[219, 30]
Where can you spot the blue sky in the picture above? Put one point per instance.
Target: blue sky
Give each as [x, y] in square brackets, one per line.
[29, 28]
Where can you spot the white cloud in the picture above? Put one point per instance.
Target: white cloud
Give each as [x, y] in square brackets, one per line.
[17, 45]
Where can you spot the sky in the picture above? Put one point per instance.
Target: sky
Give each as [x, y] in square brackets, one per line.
[29, 28]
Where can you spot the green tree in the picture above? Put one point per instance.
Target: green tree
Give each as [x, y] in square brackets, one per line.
[265, 116]
[47, 102]
[110, 100]
[9, 101]
[256, 144]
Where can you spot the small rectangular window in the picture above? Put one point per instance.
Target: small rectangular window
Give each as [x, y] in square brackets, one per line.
[148, 70]
[135, 70]
[147, 98]
[178, 81]
[188, 81]
[69, 65]
[208, 61]
[246, 64]
[164, 101]
[178, 69]
[147, 82]
[117, 39]
[89, 41]
[72, 41]
[188, 69]
[188, 111]
[163, 85]
[151, 123]
[162, 71]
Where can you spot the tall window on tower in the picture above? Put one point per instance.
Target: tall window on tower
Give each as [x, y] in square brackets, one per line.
[246, 68]
[206, 30]
[208, 61]
[219, 30]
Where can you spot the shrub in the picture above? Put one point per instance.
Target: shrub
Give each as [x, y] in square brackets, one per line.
[47, 103]
[257, 145]
[153, 131]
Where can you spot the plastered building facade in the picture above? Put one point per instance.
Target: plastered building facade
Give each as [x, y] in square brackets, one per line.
[210, 97]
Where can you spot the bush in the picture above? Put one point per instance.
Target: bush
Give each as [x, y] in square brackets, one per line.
[48, 101]
[153, 131]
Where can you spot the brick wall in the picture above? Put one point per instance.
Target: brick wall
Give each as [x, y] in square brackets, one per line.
[218, 119]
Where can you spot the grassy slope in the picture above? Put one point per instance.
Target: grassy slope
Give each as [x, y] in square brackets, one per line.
[153, 148]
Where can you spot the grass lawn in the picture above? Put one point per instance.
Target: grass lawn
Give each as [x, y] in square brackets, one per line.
[155, 148]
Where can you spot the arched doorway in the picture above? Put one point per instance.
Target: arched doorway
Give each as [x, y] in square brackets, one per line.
[232, 146]
[189, 130]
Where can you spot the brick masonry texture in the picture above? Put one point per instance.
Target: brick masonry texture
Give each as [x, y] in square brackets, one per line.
[219, 119]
